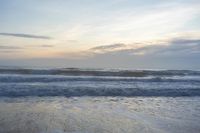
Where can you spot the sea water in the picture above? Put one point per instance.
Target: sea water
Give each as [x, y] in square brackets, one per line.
[99, 101]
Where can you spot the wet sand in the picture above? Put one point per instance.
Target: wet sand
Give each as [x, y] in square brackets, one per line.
[100, 115]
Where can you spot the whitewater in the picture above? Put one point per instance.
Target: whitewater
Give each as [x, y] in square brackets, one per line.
[73, 100]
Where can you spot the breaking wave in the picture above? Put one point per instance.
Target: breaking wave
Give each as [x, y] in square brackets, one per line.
[99, 72]
[86, 82]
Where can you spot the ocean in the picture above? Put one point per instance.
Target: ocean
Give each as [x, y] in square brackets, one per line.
[72, 100]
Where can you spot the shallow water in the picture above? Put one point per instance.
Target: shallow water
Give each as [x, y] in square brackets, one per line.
[100, 115]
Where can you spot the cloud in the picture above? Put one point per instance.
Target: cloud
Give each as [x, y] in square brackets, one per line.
[72, 41]
[178, 53]
[9, 49]
[46, 46]
[3, 47]
[105, 48]
[174, 53]
[185, 41]
[171, 47]
[25, 35]
[177, 46]
[183, 46]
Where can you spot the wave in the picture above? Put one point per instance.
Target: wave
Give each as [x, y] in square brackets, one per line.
[7, 78]
[34, 90]
[99, 72]
[98, 82]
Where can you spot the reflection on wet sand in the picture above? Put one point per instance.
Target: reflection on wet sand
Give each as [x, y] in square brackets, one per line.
[99, 115]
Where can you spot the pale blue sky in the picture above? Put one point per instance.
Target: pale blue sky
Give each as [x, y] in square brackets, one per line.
[67, 31]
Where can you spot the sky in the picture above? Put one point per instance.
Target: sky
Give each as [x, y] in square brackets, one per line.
[126, 34]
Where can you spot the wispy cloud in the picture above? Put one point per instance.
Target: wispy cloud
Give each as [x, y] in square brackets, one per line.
[171, 47]
[106, 48]
[136, 24]
[180, 53]
[9, 47]
[8, 51]
[160, 48]
[46, 46]
[25, 35]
